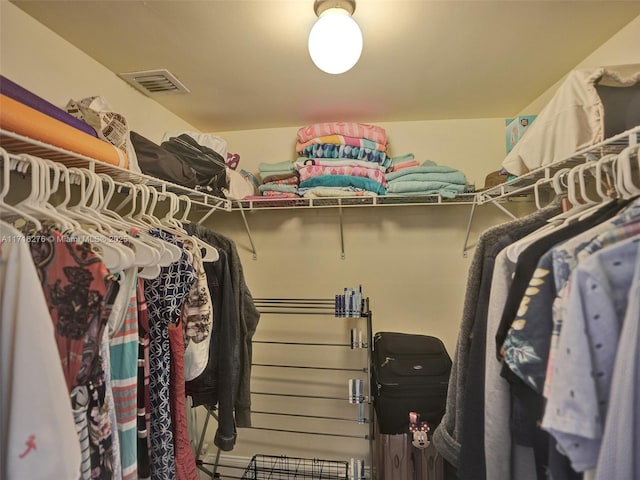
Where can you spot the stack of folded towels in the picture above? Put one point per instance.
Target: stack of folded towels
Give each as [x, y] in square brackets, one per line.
[279, 180]
[341, 159]
[427, 178]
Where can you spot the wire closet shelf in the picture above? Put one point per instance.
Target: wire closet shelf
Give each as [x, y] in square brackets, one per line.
[337, 202]
[201, 201]
[525, 183]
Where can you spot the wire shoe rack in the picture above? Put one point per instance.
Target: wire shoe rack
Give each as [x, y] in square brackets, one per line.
[269, 467]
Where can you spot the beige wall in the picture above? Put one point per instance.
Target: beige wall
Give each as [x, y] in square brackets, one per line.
[408, 259]
[41, 61]
[621, 49]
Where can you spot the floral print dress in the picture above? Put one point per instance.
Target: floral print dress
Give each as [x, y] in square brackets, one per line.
[80, 292]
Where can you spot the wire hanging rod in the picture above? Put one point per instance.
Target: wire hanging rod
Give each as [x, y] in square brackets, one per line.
[302, 415]
[294, 395]
[333, 369]
[304, 432]
[310, 344]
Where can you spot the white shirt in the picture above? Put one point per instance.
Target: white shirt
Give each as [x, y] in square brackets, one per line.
[39, 440]
[572, 120]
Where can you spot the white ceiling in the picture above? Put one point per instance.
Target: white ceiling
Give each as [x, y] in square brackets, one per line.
[247, 66]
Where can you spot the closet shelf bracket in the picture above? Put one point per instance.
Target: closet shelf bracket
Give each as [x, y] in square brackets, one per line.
[246, 227]
[217, 205]
[466, 247]
[507, 212]
[481, 200]
[342, 254]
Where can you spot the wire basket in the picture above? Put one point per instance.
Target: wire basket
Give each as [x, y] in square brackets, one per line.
[270, 467]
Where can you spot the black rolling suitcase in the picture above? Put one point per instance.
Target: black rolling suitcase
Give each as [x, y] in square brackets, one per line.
[410, 374]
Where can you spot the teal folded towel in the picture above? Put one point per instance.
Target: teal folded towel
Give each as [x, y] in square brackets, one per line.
[278, 187]
[429, 166]
[286, 166]
[343, 181]
[450, 177]
[447, 190]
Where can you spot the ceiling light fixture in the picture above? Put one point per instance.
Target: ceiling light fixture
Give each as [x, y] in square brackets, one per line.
[335, 40]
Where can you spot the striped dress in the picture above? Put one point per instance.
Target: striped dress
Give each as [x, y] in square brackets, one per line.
[123, 348]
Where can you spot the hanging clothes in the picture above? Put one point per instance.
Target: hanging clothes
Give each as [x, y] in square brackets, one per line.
[80, 292]
[502, 460]
[165, 297]
[526, 407]
[184, 459]
[197, 318]
[217, 385]
[587, 351]
[622, 434]
[472, 451]
[116, 465]
[143, 417]
[120, 338]
[40, 441]
[246, 313]
[529, 343]
[447, 435]
[123, 350]
[541, 345]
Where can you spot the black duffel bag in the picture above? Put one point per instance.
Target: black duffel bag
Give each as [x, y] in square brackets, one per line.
[410, 374]
[209, 166]
[160, 163]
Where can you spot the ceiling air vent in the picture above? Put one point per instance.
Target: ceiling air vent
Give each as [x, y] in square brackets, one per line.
[153, 82]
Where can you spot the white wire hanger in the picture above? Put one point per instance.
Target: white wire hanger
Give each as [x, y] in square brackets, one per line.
[591, 206]
[157, 246]
[626, 170]
[560, 186]
[570, 181]
[146, 253]
[603, 165]
[115, 255]
[517, 247]
[174, 226]
[209, 252]
[34, 202]
[172, 253]
[9, 211]
[37, 204]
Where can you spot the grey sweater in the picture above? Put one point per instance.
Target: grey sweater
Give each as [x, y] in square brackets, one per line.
[448, 434]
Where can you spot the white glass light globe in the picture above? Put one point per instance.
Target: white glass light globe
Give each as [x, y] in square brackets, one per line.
[335, 41]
